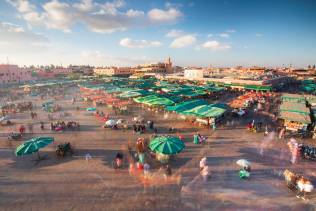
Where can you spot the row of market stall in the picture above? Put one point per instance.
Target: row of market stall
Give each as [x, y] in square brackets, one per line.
[183, 99]
[246, 100]
[308, 86]
[298, 112]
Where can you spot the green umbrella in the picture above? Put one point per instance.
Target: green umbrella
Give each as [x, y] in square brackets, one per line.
[33, 145]
[166, 145]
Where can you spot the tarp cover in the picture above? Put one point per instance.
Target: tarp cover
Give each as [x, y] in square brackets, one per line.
[204, 111]
[186, 105]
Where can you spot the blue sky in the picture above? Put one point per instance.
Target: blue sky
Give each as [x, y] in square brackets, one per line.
[192, 33]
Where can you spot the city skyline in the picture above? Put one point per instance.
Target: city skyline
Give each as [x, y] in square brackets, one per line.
[127, 33]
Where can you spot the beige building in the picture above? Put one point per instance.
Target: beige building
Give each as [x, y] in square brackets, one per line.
[160, 67]
[113, 71]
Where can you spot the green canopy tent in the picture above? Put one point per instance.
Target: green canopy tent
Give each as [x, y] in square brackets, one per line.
[206, 111]
[307, 81]
[258, 87]
[186, 105]
[187, 92]
[134, 93]
[296, 117]
[167, 145]
[154, 100]
[293, 98]
[309, 87]
[294, 107]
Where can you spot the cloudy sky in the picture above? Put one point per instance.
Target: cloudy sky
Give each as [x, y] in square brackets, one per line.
[129, 32]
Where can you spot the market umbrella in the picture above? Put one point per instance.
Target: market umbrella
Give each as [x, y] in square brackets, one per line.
[243, 162]
[33, 145]
[91, 109]
[166, 145]
[110, 122]
[4, 118]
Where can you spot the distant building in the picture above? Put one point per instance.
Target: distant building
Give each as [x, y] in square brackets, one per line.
[194, 73]
[62, 71]
[113, 71]
[234, 78]
[10, 74]
[42, 74]
[258, 70]
[82, 69]
[159, 67]
[302, 73]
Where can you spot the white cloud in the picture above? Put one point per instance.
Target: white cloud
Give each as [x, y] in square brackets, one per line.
[98, 17]
[175, 33]
[28, 11]
[112, 7]
[173, 5]
[134, 13]
[170, 15]
[231, 31]
[16, 35]
[98, 58]
[183, 41]
[215, 45]
[210, 35]
[10, 27]
[84, 5]
[58, 15]
[15, 39]
[224, 35]
[129, 43]
[22, 5]
[259, 35]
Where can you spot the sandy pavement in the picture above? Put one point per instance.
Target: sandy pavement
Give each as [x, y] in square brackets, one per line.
[73, 183]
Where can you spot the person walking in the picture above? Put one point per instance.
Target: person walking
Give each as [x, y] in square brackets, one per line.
[213, 126]
[42, 125]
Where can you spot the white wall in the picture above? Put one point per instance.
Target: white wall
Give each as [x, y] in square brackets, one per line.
[195, 73]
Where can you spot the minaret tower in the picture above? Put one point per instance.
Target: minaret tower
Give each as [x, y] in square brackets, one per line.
[168, 64]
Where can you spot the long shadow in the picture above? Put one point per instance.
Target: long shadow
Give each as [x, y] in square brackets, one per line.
[223, 137]
[268, 157]
[224, 143]
[134, 198]
[221, 161]
[87, 128]
[179, 161]
[29, 162]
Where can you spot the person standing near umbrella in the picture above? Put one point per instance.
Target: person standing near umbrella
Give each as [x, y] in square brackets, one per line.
[141, 148]
[168, 171]
[22, 129]
[146, 170]
[213, 126]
